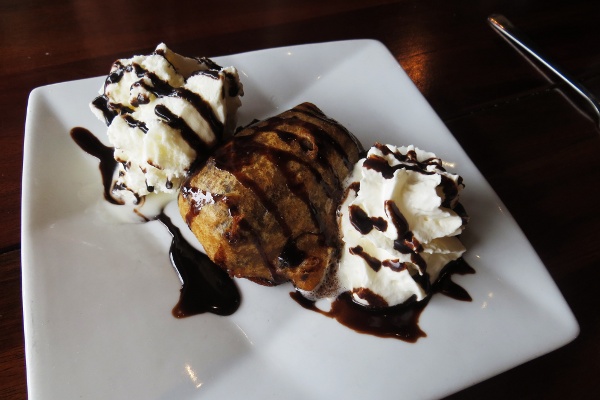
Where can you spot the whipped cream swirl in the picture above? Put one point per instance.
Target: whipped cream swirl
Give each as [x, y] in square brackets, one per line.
[400, 223]
[163, 112]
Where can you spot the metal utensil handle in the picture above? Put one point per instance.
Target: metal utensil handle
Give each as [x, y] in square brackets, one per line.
[503, 26]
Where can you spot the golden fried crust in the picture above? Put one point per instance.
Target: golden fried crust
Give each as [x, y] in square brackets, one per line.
[263, 205]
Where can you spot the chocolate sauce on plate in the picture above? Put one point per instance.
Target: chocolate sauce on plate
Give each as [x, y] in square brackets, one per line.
[399, 322]
[205, 286]
[91, 145]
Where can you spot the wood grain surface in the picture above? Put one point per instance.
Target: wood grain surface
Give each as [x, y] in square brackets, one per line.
[536, 148]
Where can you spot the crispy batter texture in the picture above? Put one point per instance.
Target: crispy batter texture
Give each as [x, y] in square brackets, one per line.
[264, 204]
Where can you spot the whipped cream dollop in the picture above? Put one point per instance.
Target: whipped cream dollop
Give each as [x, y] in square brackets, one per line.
[163, 112]
[400, 221]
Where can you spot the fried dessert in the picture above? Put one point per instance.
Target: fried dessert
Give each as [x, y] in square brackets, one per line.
[263, 205]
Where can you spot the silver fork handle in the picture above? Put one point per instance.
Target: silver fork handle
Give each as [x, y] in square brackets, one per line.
[503, 26]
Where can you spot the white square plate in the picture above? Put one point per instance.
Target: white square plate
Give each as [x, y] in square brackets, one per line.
[98, 293]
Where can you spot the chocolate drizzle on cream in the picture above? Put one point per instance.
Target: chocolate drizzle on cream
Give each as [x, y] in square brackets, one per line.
[363, 223]
[134, 123]
[151, 83]
[187, 133]
[372, 262]
[405, 242]
[203, 108]
[407, 161]
[109, 112]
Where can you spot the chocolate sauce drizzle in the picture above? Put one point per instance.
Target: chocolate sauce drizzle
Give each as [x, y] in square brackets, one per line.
[102, 104]
[372, 262]
[291, 255]
[203, 108]
[410, 162]
[187, 133]
[205, 286]
[361, 221]
[399, 322]
[91, 145]
[134, 123]
[229, 159]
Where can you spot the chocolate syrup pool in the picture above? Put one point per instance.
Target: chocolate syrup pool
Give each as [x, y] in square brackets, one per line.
[207, 288]
[398, 322]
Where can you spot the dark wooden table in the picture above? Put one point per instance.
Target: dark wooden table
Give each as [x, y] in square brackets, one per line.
[536, 149]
